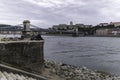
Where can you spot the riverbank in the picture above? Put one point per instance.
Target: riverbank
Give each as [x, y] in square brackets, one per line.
[65, 35]
[60, 71]
[81, 35]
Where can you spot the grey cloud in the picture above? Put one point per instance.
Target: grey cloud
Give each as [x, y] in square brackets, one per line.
[50, 12]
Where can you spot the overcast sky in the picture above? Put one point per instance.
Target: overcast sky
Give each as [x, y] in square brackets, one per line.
[45, 13]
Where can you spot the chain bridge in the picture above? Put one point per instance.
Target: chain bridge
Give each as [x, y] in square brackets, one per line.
[9, 29]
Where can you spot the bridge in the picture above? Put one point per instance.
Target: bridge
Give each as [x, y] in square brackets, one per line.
[20, 28]
[9, 29]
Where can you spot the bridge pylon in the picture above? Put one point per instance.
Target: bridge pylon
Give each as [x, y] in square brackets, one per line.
[26, 29]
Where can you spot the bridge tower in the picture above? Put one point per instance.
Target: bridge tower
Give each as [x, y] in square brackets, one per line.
[26, 32]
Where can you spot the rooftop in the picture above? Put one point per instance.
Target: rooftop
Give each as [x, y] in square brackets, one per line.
[114, 22]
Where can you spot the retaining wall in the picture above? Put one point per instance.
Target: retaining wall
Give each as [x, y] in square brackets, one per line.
[26, 55]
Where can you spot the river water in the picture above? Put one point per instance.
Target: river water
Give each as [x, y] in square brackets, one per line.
[97, 53]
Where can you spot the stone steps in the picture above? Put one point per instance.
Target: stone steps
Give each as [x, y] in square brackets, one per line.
[12, 73]
[11, 76]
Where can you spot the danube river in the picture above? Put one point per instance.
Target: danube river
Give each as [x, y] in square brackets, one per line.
[97, 53]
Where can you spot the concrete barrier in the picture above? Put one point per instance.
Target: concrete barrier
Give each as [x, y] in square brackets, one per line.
[24, 54]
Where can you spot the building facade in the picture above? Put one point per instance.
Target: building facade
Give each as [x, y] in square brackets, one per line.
[116, 24]
[103, 24]
[108, 32]
[70, 26]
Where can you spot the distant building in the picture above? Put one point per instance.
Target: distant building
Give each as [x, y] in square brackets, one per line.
[70, 26]
[103, 32]
[80, 25]
[103, 24]
[60, 27]
[115, 23]
[108, 32]
[88, 26]
[116, 32]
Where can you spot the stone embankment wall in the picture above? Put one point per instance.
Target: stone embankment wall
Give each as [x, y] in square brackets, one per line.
[27, 55]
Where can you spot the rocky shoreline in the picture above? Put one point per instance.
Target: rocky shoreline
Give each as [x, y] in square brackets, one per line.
[68, 72]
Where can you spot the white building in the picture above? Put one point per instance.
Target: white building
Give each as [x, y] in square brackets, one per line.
[115, 23]
[103, 24]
